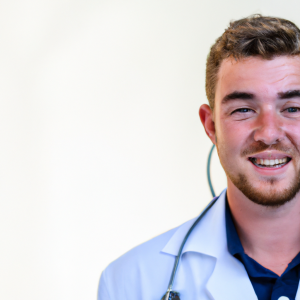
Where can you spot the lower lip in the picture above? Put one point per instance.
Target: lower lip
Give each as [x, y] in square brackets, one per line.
[269, 170]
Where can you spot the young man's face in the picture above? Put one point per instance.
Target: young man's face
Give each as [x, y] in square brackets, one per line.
[256, 127]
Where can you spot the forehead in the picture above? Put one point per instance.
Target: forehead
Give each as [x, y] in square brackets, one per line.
[258, 76]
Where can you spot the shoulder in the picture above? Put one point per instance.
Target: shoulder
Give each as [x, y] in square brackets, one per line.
[141, 255]
[145, 265]
[143, 273]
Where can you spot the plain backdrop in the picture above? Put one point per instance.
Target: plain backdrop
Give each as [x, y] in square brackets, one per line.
[101, 144]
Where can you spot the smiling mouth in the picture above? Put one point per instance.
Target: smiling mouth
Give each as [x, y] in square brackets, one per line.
[270, 163]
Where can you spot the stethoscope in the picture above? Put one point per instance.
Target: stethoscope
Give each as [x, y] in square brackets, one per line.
[170, 294]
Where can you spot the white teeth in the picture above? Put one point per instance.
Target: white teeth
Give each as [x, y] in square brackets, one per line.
[271, 162]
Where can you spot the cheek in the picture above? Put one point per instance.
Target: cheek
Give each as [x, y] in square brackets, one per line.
[231, 137]
[292, 129]
[292, 132]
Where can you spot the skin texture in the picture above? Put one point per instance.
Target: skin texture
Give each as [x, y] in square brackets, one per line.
[261, 120]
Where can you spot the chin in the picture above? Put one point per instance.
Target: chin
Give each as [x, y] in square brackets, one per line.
[271, 196]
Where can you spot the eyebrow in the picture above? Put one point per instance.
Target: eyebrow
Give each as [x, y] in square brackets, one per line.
[239, 95]
[289, 94]
[248, 96]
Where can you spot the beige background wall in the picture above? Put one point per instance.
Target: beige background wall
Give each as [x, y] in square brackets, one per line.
[101, 144]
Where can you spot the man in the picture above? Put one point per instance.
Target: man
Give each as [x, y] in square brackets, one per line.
[247, 245]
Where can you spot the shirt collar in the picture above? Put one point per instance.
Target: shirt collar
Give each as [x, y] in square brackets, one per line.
[235, 248]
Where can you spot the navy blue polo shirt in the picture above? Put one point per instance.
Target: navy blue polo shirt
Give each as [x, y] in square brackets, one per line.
[267, 285]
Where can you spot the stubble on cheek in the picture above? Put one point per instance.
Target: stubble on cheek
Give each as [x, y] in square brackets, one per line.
[267, 192]
[267, 196]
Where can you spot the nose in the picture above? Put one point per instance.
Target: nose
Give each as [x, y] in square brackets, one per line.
[269, 128]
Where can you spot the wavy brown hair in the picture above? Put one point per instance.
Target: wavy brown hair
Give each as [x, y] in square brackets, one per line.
[256, 35]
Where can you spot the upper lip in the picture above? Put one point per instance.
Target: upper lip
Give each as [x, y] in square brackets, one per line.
[270, 154]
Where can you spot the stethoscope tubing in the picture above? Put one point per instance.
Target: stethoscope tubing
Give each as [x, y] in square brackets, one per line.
[208, 171]
[207, 208]
[183, 243]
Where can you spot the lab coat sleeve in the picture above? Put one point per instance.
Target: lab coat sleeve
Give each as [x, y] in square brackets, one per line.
[103, 293]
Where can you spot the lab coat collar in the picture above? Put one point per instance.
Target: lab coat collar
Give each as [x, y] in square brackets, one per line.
[209, 237]
[229, 279]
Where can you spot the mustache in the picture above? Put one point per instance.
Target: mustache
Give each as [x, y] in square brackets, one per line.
[261, 146]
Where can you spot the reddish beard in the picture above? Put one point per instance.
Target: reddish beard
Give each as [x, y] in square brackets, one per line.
[269, 196]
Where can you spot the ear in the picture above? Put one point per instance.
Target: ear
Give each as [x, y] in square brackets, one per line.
[206, 117]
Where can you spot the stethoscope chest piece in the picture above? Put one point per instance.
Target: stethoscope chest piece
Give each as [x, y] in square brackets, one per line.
[171, 295]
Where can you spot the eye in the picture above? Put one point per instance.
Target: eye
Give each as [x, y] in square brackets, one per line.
[292, 112]
[293, 109]
[242, 110]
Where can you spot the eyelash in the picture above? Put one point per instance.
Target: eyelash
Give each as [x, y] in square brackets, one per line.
[240, 110]
[294, 108]
[245, 110]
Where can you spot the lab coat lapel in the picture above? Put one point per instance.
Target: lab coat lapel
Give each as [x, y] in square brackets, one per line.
[229, 280]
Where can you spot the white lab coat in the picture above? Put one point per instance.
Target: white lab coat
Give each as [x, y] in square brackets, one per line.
[206, 271]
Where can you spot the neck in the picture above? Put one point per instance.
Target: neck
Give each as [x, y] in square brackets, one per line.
[269, 235]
